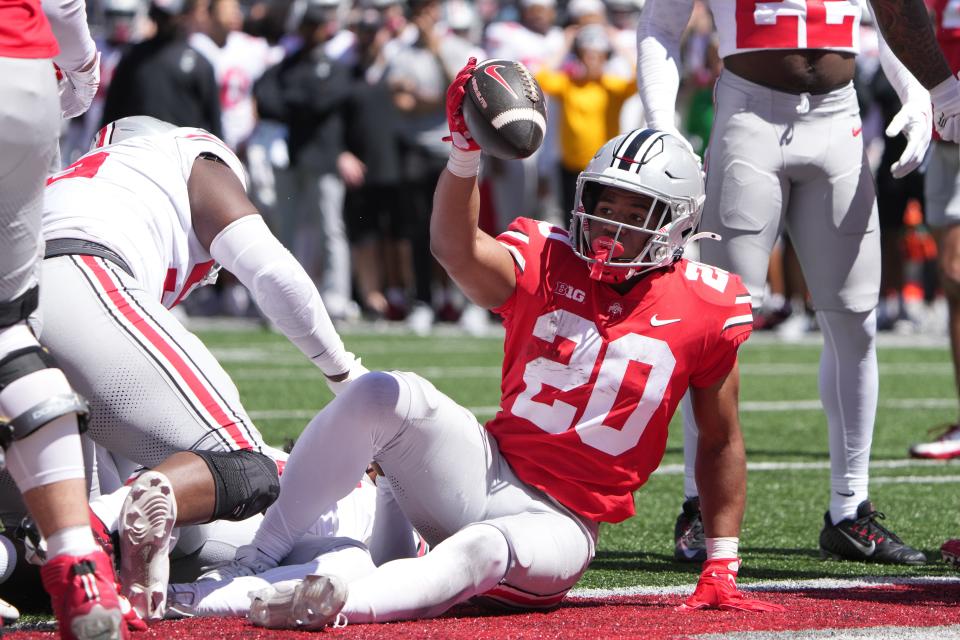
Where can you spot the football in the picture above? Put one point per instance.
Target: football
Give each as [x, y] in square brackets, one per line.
[505, 110]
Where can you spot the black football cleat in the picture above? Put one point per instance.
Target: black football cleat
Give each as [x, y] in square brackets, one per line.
[864, 538]
[690, 543]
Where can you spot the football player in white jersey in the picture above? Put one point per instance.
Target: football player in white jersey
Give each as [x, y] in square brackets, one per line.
[40, 414]
[131, 228]
[606, 328]
[238, 60]
[786, 151]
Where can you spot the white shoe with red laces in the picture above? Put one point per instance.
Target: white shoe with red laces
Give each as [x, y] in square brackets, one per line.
[946, 446]
[84, 596]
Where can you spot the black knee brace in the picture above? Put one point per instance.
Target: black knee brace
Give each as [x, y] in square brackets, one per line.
[246, 481]
[19, 364]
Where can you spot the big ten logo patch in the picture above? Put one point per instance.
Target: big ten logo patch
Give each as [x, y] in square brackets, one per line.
[568, 291]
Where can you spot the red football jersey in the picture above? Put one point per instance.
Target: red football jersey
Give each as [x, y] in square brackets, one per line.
[591, 378]
[24, 31]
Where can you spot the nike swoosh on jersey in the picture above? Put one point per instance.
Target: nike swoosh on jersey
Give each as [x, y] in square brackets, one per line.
[856, 131]
[656, 322]
[867, 550]
[845, 495]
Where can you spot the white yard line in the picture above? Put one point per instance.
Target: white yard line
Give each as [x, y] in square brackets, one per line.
[768, 585]
[775, 406]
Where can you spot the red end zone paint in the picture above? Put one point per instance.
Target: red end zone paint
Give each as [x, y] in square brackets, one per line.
[647, 617]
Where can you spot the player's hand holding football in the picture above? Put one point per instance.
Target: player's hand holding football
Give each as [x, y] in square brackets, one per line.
[946, 109]
[717, 589]
[913, 120]
[77, 88]
[459, 134]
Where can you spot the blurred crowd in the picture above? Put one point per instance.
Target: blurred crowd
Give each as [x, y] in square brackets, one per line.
[337, 110]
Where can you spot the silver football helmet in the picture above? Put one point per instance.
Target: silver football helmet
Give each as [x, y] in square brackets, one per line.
[650, 163]
[129, 127]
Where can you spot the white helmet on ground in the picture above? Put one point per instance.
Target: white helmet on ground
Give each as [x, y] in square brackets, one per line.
[129, 127]
[650, 163]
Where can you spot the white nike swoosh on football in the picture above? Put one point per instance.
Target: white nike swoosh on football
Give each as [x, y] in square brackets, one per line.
[656, 322]
[866, 550]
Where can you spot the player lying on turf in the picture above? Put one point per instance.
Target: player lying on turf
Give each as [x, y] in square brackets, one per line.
[364, 529]
[131, 228]
[606, 327]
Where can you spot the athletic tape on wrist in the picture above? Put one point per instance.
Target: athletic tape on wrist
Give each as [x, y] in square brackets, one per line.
[463, 164]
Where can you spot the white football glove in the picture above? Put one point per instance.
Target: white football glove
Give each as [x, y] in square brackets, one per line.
[946, 109]
[77, 88]
[913, 120]
[356, 370]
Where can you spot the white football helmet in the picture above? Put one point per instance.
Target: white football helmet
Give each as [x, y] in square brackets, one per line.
[647, 162]
[129, 127]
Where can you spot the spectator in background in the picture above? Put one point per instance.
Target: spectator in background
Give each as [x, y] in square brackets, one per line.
[942, 190]
[590, 101]
[623, 16]
[418, 79]
[373, 211]
[307, 92]
[537, 42]
[165, 77]
[123, 25]
[238, 61]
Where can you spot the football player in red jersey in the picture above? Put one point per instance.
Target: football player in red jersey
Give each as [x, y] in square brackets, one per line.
[607, 326]
[786, 151]
[40, 415]
[942, 211]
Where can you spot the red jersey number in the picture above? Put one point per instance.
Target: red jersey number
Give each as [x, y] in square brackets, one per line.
[795, 24]
[557, 416]
[85, 167]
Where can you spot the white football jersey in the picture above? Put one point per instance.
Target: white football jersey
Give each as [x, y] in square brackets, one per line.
[237, 65]
[752, 25]
[513, 41]
[132, 197]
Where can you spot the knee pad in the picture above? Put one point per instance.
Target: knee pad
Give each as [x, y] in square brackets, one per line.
[20, 308]
[20, 364]
[246, 482]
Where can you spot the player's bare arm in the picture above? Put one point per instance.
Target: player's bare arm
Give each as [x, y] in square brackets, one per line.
[907, 28]
[721, 466]
[479, 265]
[217, 198]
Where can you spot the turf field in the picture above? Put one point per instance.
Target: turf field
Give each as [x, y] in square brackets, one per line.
[634, 587]
[785, 432]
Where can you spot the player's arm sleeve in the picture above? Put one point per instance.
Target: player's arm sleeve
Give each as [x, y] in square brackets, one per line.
[659, 31]
[283, 291]
[68, 20]
[732, 324]
[908, 88]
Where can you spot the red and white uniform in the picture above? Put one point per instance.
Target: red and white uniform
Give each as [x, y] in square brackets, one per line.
[25, 31]
[153, 387]
[755, 25]
[237, 65]
[132, 197]
[942, 184]
[591, 378]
